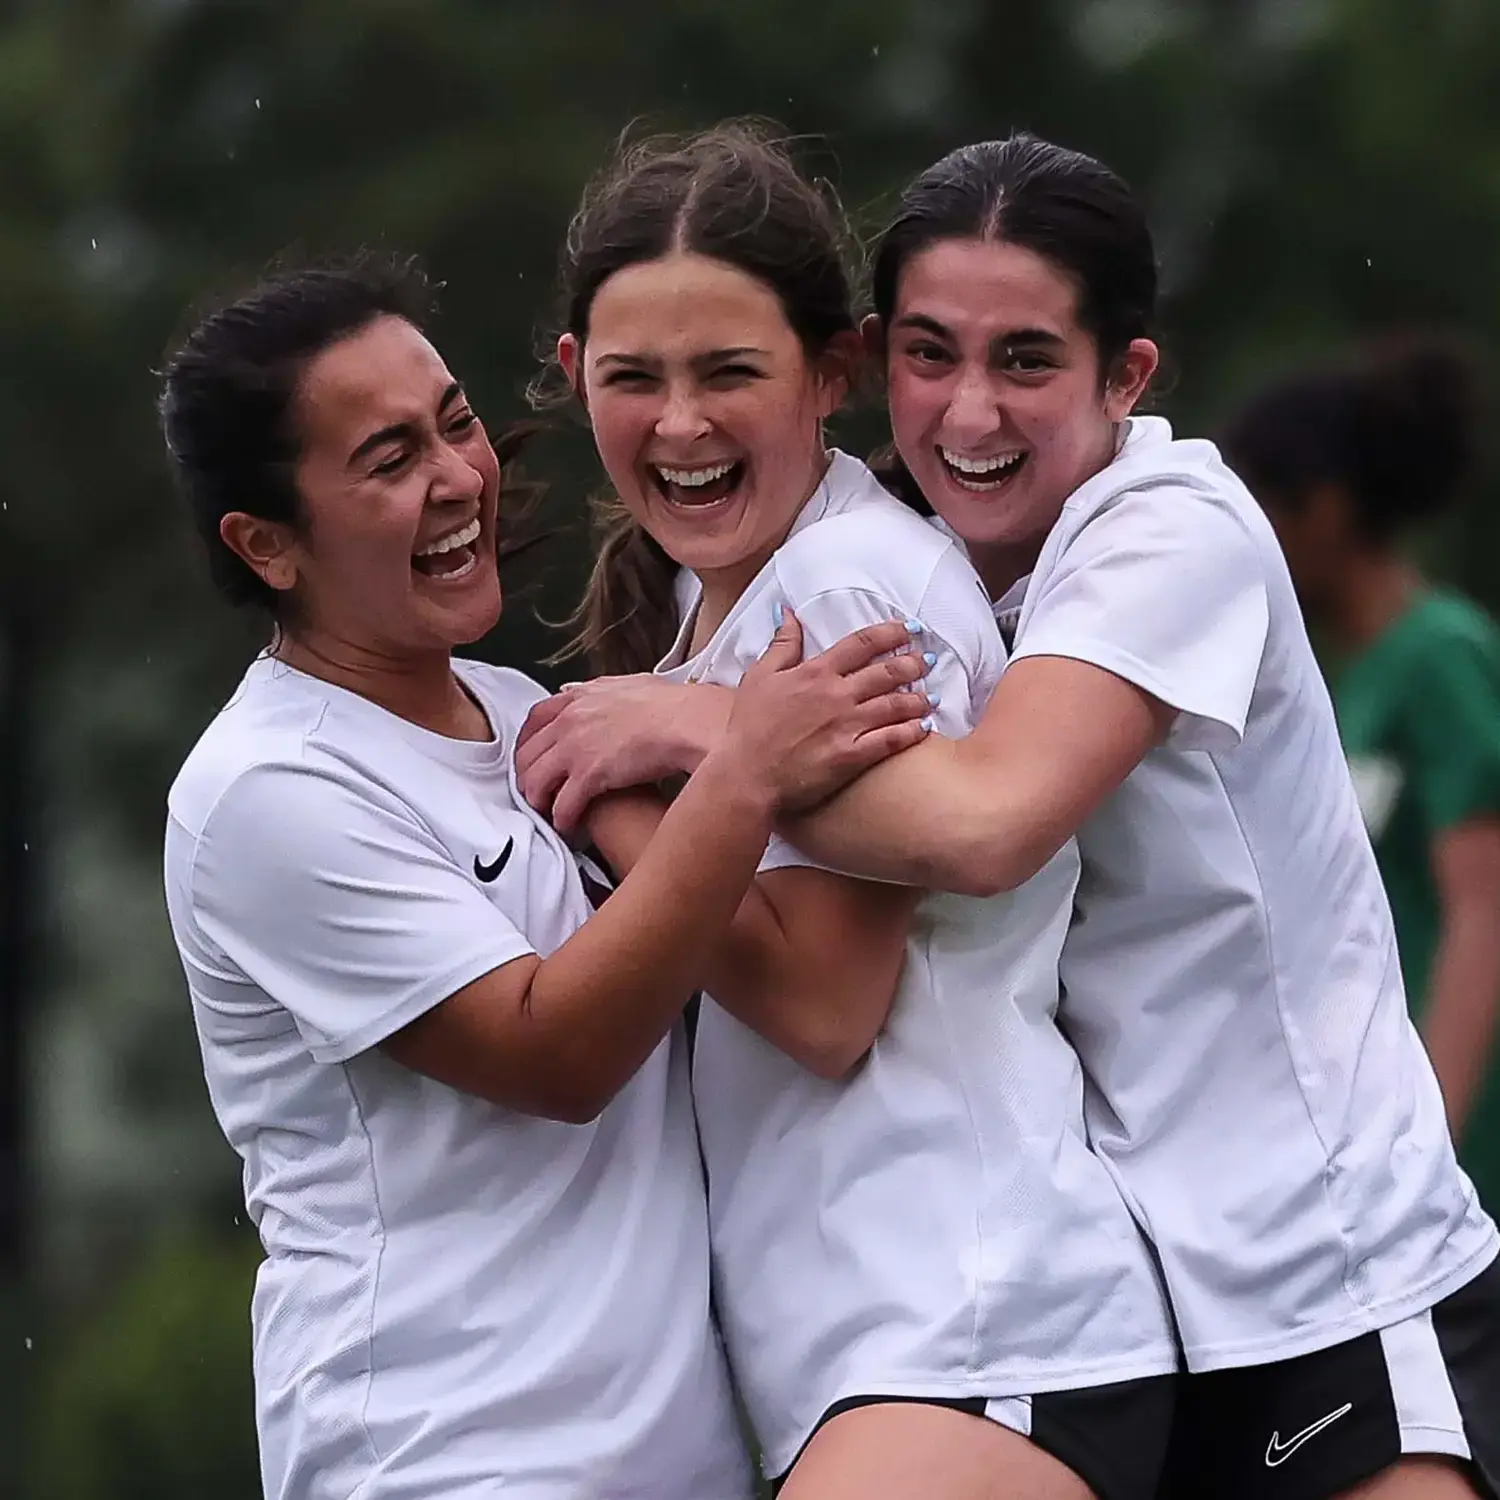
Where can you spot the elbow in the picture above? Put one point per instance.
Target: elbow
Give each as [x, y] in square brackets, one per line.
[982, 872]
[832, 1046]
[834, 1062]
[575, 1100]
[574, 1110]
[984, 866]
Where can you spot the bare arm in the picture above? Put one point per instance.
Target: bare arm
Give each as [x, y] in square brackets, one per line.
[983, 814]
[1463, 1001]
[811, 959]
[560, 1036]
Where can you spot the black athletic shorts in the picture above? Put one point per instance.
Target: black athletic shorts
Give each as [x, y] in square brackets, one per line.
[1309, 1428]
[1113, 1437]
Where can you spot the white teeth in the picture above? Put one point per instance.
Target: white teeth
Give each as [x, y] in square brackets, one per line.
[992, 465]
[470, 533]
[691, 479]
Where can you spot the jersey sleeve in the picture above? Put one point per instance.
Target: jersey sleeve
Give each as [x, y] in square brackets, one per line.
[958, 629]
[338, 903]
[1167, 589]
[1453, 729]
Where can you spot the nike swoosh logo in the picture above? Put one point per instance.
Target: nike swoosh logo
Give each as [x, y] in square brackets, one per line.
[487, 872]
[1278, 1452]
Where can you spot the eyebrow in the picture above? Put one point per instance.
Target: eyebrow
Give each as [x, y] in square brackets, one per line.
[1033, 336]
[708, 357]
[397, 431]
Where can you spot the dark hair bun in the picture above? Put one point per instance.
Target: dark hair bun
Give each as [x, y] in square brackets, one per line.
[1418, 419]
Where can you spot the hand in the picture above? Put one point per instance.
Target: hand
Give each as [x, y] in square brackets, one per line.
[810, 729]
[613, 733]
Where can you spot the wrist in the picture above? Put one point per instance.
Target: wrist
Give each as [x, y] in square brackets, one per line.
[699, 729]
[737, 782]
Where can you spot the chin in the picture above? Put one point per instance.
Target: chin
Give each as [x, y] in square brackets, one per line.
[463, 625]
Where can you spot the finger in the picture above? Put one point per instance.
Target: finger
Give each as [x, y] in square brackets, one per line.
[892, 708]
[880, 744]
[540, 716]
[862, 646]
[890, 672]
[542, 739]
[785, 649]
[540, 783]
[571, 803]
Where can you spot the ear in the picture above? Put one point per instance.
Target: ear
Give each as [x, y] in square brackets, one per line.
[265, 547]
[838, 369]
[1130, 378]
[872, 336]
[570, 357]
[1328, 513]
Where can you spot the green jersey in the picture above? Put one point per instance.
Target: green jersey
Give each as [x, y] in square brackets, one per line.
[1419, 713]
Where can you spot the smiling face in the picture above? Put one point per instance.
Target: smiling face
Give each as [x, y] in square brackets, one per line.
[398, 486]
[706, 409]
[998, 405]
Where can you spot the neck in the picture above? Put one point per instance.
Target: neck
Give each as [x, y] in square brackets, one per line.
[1000, 566]
[722, 587]
[1375, 590]
[420, 688]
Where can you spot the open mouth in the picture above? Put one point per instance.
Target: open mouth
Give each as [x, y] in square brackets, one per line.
[451, 557]
[981, 474]
[698, 488]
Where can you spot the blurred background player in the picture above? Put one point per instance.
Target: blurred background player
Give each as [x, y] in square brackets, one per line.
[1349, 461]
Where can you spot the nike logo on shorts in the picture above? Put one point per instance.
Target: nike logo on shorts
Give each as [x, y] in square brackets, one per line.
[1278, 1452]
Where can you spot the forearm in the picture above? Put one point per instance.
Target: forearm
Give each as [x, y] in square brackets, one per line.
[936, 816]
[1463, 1004]
[611, 991]
[797, 984]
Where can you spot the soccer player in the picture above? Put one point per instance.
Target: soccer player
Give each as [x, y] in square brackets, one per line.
[460, 1096]
[1347, 462]
[929, 1286]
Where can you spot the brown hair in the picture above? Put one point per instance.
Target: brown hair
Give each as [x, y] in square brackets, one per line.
[734, 194]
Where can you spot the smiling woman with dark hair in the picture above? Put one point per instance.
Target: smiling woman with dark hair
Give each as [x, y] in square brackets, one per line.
[460, 1094]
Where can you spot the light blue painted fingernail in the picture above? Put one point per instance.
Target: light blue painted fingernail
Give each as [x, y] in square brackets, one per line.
[930, 657]
[933, 699]
[778, 614]
[915, 626]
[927, 723]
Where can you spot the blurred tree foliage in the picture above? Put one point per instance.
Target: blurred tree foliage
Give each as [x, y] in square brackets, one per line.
[152, 1397]
[1315, 169]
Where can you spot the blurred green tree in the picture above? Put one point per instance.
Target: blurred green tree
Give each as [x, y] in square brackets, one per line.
[1315, 168]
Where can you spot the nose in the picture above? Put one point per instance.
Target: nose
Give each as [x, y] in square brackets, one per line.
[973, 411]
[455, 477]
[682, 417]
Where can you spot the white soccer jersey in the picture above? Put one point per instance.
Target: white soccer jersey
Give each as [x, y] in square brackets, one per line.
[1231, 978]
[934, 1225]
[456, 1300]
